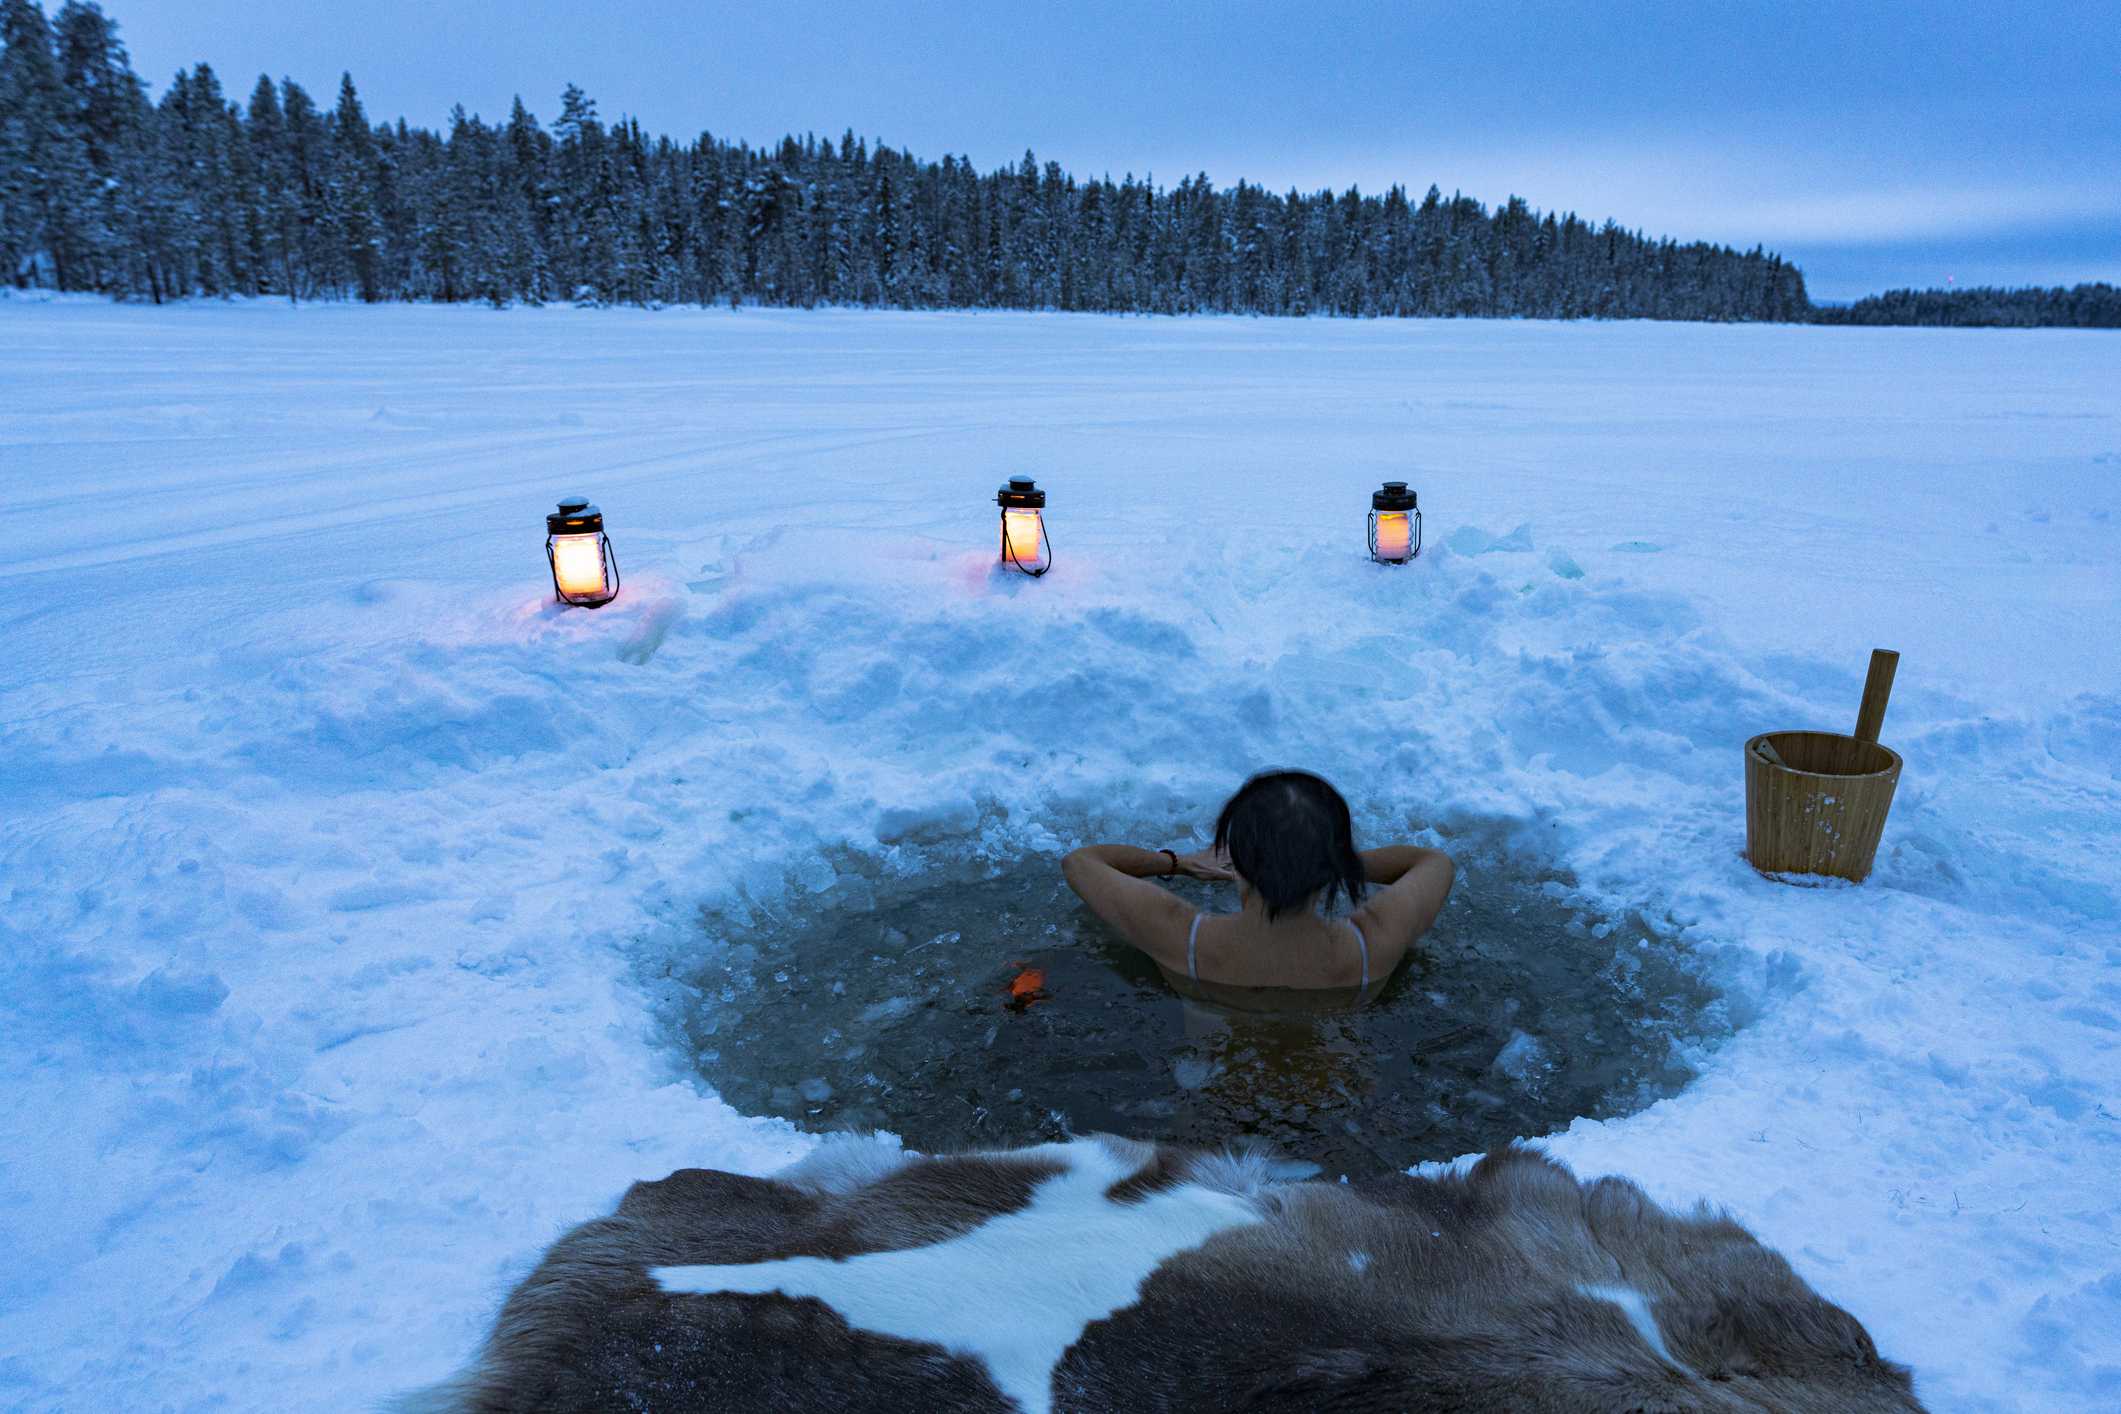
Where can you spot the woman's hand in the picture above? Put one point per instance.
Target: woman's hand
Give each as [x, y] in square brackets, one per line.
[1211, 864]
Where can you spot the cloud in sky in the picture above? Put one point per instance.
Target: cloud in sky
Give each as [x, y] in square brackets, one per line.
[1857, 126]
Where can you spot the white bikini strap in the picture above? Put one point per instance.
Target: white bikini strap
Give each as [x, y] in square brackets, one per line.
[1364, 944]
[1194, 937]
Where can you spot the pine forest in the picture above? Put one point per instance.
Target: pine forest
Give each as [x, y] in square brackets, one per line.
[107, 191]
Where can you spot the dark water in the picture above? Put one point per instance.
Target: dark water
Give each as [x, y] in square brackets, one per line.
[1517, 1013]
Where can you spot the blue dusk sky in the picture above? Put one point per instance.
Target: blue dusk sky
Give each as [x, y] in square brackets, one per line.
[1876, 144]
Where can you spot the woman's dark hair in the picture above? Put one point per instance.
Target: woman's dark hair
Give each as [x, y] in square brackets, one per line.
[1289, 834]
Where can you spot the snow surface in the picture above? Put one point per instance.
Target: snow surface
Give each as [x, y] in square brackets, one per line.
[343, 869]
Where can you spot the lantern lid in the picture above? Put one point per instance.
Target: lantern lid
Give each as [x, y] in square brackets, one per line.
[574, 517]
[1021, 491]
[1395, 497]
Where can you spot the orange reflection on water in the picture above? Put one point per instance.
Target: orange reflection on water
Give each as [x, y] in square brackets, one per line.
[1026, 987]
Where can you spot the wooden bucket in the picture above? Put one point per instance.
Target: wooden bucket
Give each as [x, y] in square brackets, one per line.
[1816, 802]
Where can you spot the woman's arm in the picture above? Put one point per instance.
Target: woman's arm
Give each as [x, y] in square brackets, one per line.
[1417, 881]
[1114, 880]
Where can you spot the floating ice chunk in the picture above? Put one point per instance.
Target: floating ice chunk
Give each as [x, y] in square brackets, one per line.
[1522, 1058]
[944, 938]
[890, 1009]
[1564, 564]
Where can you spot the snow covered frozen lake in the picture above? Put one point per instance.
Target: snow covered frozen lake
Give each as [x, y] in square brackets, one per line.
[349, 881]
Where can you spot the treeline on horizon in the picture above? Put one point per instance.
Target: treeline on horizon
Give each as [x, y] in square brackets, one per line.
[103, 190]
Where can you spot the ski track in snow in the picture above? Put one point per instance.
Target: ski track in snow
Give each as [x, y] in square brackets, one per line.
[343, 870]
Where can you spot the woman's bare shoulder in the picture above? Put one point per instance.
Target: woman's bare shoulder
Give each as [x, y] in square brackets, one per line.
[1393, 916]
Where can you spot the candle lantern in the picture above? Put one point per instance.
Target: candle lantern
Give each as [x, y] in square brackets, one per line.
[1395, 524]
[1025, 543]
[584, 571]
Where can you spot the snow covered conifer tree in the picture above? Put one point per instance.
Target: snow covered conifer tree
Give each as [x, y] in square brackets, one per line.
[578, 142]
[107, 108]
[279, 203]
[46, 183]
[354, 169]
[199, 132]
[526, 169]
[308, 159]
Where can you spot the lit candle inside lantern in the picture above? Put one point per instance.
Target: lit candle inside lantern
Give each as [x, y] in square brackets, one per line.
[1025, 543]
[1395, 534]
[584, 571]
[1021, 530]
[1395, 524]
[578, 565]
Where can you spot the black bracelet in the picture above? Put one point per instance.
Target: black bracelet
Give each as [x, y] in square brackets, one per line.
[1174, 864]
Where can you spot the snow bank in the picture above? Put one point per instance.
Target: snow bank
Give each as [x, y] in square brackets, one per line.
[344, 870]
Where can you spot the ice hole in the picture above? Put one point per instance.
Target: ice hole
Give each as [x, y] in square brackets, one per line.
[972, 1013]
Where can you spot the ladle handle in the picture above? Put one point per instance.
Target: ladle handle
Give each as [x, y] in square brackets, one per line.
[1876, 689]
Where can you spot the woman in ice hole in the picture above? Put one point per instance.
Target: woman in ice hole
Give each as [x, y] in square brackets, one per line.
[1286, 841]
